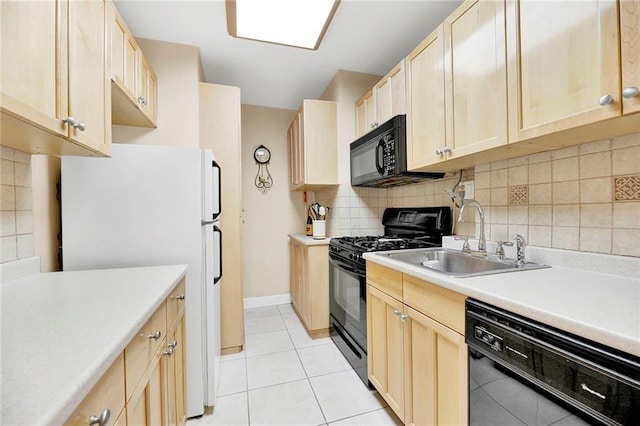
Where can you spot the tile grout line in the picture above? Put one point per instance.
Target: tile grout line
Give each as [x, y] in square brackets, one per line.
[307, 374]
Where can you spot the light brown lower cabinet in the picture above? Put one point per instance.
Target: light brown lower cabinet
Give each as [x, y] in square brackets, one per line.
[309, 285]
[417, 363]
[146, 383]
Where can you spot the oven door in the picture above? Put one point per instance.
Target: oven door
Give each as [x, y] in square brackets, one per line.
[347, 299]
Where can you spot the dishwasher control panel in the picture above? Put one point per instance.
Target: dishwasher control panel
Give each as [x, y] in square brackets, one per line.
[494, 341]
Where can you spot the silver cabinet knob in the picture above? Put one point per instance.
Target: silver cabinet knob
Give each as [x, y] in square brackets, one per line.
[605, 100]
[155, 336]
[80, 126]
[630, 92]
[404, 317]
[179, 297]
[142, 100]
[373, 125]
[168, 352]
[102, 419]
[397, 312]
[173, 344]
[70, 121]
[445, 150]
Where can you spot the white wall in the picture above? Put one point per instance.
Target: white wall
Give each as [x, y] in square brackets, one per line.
[268, 218]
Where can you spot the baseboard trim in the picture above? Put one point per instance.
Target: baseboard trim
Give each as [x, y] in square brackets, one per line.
[258, 302]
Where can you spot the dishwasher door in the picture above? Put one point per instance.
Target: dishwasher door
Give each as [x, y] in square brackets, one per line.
[525, 373]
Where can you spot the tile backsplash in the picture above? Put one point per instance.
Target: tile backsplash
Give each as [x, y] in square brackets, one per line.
[16, 214]
[584, 197]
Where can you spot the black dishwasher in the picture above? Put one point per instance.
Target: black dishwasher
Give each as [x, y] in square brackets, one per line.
[522, 372]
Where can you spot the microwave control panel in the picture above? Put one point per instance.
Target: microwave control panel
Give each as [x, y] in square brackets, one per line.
[388, 153]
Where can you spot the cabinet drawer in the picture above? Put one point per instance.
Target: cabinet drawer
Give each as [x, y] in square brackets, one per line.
[175, 303]
[444, 306]
[139, 352]
[385, 279]
[108, 393]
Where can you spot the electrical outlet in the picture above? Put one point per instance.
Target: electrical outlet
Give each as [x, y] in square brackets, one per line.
[468, 188]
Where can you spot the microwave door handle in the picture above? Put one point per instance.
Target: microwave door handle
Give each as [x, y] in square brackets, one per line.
[380, 157]
[217, 230]
[219, 193]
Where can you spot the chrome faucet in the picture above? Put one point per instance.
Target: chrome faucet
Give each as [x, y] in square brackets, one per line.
[482, 242]
[521, 243]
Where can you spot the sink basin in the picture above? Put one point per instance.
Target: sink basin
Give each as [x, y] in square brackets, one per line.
[458, 264]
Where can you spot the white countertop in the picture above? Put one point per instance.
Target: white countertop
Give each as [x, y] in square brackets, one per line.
[602, 307]
[310, 241]
[61, 331]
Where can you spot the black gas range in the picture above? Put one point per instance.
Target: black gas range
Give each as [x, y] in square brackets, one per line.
[404, 228]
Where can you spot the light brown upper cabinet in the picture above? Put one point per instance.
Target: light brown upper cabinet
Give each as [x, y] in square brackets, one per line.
[384, 101]
[456, 90]
[313, 146]
[390, 94]
[475, 78]
[630, 50]
[366, 113]
[425, 101]
[54, 78]
[564, 65]
[133, 82]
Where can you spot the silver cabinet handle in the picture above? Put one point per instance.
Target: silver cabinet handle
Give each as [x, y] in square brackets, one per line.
[173, 344]
[179, 297]
[404, 317]
[155, 336]
[630, 92]
[605, 100]
[373, 125]
[397, 312]
[168, 352]
[80, 126]
[102, 419]
[70, 121]
[142, 100]
[445, 150]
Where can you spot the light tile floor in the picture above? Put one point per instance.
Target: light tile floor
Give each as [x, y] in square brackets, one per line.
[283, 377]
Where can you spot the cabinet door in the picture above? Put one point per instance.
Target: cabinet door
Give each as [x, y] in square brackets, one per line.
[385, 348]
[475, 77]
[180, 378]
[32, 62]
[145, 408]
[147, 91]
[436, 375]
[294, 156]
[390, 94]
[630, 42]
[563, 58]
[87, 73]
[425, 101]
[124, 50]
[361, 118]
[370, 111]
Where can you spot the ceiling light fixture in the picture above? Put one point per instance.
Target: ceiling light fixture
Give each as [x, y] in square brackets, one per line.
[289, 22]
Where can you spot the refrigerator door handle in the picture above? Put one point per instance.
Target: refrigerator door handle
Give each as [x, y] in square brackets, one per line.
[219, 193]
[216, 229]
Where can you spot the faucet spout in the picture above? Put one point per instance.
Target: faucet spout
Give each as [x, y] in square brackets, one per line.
[482, 242]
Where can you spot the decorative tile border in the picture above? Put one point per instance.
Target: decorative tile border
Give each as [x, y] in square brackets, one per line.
[519, 195]
[626, 188]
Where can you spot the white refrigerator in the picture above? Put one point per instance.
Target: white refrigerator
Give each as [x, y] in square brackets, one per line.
[152, 205]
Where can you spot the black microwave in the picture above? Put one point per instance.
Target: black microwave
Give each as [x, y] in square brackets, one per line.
[379, 158]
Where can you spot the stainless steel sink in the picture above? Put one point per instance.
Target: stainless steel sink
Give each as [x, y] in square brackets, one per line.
[459, 264]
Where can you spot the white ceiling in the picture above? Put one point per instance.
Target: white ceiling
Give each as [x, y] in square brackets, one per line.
[365, 36]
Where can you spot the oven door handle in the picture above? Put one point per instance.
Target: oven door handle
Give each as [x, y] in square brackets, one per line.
[343, 266]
